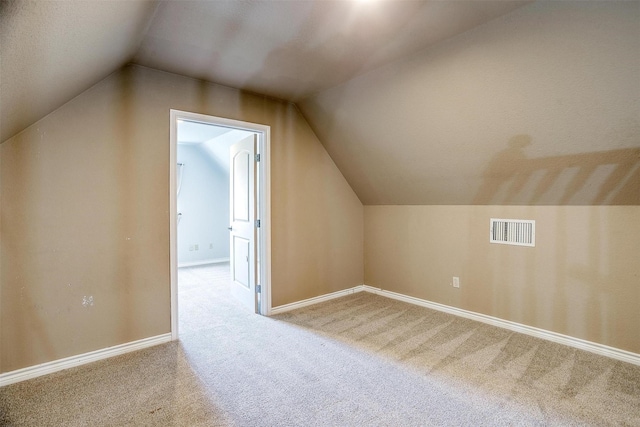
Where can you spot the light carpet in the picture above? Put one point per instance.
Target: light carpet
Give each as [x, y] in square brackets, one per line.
[361, 360]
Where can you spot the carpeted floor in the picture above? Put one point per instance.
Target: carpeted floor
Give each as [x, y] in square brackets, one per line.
[361, 360]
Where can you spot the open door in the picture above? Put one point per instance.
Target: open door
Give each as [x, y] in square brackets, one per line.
[242, 215]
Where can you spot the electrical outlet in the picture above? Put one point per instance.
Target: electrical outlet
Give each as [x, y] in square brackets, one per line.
[197, 247]
[456, 282]
[210, 245]
[191, 247]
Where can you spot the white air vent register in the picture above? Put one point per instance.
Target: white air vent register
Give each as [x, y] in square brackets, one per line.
[519, 232]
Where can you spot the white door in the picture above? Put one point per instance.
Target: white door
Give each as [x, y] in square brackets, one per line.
[242, 216]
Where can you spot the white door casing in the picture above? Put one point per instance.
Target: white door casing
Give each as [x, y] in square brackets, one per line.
[262, 208]
[242, 216]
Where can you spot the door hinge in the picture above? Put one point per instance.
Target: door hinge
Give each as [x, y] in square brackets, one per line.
[258, 289]
[257, 223]
[257, 157]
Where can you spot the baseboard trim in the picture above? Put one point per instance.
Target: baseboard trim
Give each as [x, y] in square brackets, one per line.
[81, 359]
[203, 262]
[315, 300]
[603, 350]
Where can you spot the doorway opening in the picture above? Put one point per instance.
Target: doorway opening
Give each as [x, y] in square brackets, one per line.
[219, 205]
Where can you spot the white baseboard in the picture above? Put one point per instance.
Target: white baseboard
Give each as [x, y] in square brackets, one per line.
[315, 300]
[69, 362]
[203, 262]
[81, 359]
[603, 350]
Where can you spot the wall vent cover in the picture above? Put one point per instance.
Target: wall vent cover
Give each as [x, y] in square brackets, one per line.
[519, 232]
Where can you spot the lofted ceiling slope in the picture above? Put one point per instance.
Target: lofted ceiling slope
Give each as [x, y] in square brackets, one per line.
[292, 49]
[51, 51]
[417, 102]
[538, 107]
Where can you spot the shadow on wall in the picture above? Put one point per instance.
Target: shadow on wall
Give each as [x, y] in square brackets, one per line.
[578, 280]
[597, 178]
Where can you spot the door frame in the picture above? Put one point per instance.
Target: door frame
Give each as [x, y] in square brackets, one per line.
[263, 196]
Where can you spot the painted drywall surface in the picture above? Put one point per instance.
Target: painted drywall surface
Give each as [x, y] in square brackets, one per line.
[300, 47]
[71, 43]
[203, 201]
[283, 49]
[85, 263]
[85, 215]
[581, 279]
[537, 107]
[1, 249]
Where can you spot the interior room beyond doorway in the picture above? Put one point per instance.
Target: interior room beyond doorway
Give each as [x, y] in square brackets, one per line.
[203, 192]
[207, 153]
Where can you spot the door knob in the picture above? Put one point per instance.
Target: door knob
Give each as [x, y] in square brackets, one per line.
[229, 228]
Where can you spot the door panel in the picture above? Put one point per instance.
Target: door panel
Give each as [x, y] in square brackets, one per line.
[241, 265]
[242, 216]
[241, 190]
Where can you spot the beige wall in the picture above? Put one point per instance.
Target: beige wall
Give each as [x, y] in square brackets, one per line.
[533, 115]
[537, 107]
[582, 279]
[85, 213]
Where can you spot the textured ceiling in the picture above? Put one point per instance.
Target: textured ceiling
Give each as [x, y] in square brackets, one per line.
[197, 133]
[292, 49]
[417, 102]
[51, 51]
[538, 107]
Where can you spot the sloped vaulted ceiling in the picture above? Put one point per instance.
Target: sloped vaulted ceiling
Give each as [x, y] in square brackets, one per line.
[417, 102]
[538, 107]
[51, 51]
[291, 49]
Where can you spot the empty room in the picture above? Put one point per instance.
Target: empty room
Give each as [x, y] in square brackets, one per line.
[319, 213]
